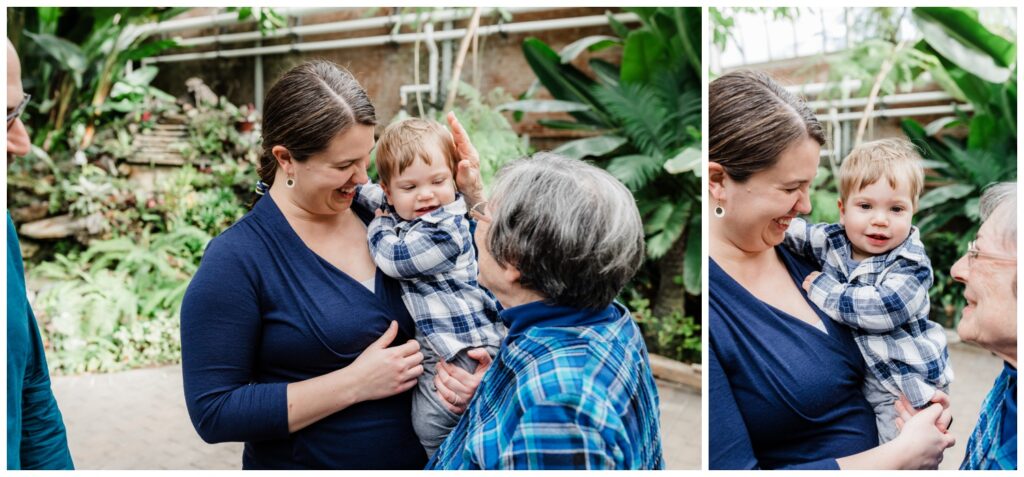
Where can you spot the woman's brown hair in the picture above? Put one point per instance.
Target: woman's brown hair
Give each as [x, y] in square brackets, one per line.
[752, 120]
[308, 107]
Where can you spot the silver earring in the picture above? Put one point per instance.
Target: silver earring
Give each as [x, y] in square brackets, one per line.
[290, 182]
[719, 211]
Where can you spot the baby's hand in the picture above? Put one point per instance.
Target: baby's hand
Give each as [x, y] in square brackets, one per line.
[810, 278]
[381, 213]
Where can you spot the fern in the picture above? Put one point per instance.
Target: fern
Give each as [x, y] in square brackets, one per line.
[641, 114]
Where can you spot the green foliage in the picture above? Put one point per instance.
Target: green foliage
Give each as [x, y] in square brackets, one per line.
[980, 67]
[644, 114]
[115, 305]
[73, 63]
[675, 336]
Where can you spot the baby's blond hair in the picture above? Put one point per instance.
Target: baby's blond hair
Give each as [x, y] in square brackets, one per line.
[894, 159]
[405, 141]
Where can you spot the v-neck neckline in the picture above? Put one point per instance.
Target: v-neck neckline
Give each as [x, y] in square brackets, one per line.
[831, 330]
[277, 214]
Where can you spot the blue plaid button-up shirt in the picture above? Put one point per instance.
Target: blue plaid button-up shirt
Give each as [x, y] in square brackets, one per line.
[434, 259]
[885, 300]
[577, 397]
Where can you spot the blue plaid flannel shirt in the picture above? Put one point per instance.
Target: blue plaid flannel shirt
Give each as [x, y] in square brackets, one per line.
[434, 260]
[562, 398]
[984, 449]
[885, 301]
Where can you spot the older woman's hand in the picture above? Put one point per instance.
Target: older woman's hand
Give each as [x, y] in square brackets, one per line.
[455, 386]
[468, 177]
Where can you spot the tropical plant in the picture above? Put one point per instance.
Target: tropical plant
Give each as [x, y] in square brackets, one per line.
[115, 305]
[979, 66]
[75, 61]
[644, 117]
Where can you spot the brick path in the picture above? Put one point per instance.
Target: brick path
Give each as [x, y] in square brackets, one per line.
[137, 420]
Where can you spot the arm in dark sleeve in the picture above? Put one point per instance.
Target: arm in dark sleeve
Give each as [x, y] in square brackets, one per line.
[728, 438]
[44, 443]
[220, 336]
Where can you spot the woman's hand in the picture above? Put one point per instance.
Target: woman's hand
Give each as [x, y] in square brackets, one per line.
[904, 411]
[455, 386]
[384, 371]
[920, 444]
[468, 177]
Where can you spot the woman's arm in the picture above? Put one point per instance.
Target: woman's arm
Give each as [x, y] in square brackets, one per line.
[220, 330]
[377, 373]
[919, 446]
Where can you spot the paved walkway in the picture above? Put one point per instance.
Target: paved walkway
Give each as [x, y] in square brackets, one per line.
[137, 420]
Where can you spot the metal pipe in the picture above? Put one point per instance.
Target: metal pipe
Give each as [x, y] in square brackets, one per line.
[344, 26]
[222, 19]
[561, 23]
[433, 58]
[902, 112]
[902, 98]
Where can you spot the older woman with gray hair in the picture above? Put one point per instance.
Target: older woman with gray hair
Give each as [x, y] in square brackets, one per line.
[571, 387]
[989, 273]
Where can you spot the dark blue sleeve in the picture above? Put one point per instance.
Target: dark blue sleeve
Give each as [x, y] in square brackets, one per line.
[44, 443]
[220, 336]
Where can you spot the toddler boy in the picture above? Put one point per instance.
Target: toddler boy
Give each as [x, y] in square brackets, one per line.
[423, 240]
[875, 277]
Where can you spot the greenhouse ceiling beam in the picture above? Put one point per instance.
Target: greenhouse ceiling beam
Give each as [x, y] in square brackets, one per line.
[520, 27]
[350, 25]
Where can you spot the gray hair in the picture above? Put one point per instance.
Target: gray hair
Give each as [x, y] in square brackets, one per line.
[571, 229]
[995, 198]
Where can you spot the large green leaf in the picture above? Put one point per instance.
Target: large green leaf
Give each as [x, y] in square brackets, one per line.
[688, 160]
[567, 125]
[694, 257]
[941, 195]
[960, 50]
[607, 73]
[643, 55]
[563, 81]
[658, 219]
[963, 24]
[544, 106]
[591, 146]
[587, 43]
[68, 55]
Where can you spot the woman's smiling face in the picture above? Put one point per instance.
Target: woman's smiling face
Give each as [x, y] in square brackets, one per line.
[325, 182]
[759, 210]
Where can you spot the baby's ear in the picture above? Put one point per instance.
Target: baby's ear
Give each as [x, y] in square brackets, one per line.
[842, 212]
[387, 192]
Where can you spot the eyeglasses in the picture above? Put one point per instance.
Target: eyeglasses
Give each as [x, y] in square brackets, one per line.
[973, 254]
[479, 212]
[18, 110]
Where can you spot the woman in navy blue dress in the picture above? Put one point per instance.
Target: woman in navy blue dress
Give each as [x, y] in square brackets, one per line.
[785, 381]
[292, 341]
